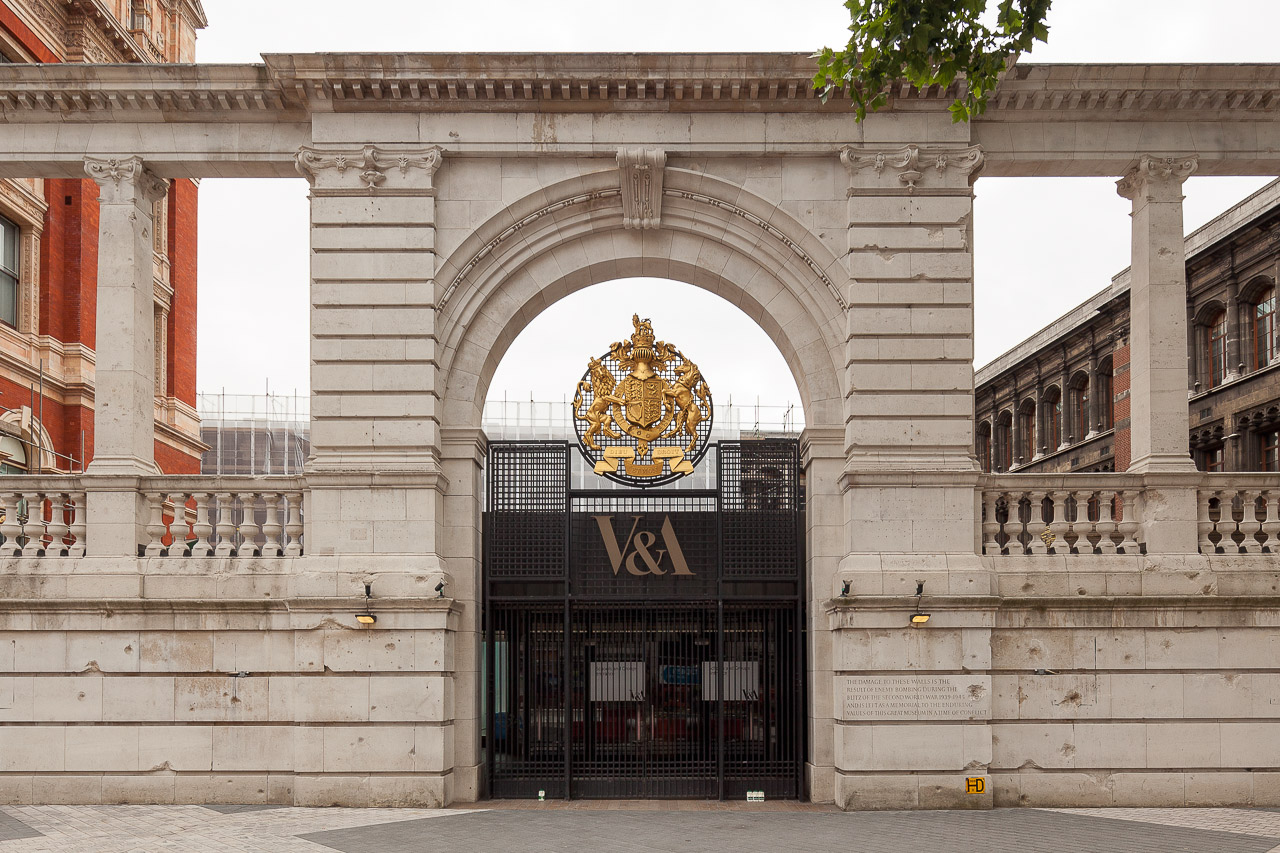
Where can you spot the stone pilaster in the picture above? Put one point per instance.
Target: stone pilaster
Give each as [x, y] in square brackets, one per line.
[909, 365]
[458, 535]
[124, 408]
[374, 402]
[1158, 355]
[823, 458]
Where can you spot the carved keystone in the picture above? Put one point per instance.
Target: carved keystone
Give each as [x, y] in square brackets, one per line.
[642, 170]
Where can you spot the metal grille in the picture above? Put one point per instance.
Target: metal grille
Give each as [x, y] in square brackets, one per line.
[760, 503]
[527, 701]
[637, 674]
[526, 530]
[664, 701]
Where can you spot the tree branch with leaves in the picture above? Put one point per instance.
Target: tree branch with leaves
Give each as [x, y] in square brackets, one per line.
[929, 43]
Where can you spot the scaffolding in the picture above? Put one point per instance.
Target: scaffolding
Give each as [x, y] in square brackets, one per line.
[251, 434]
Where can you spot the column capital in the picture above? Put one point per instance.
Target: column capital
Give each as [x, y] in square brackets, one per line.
[125, 180]
[1157, 178]
[369, 170]
[911, 167]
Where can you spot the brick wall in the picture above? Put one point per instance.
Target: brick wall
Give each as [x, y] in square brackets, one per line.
[174, 461]
[182, 275]
[1120, 386]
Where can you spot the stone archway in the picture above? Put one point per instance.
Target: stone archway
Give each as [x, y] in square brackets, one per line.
[574, 234]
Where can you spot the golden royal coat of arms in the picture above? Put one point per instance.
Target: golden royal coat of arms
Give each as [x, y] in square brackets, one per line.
[643, 411]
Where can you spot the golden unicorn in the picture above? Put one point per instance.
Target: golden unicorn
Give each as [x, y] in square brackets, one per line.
[690, 412]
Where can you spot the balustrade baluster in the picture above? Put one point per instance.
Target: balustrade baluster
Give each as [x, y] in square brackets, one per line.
[1059, 525]
[178, 529]
[248, 546]
[202, 529]
[1106, 524]
[1271, 527]
[293, 525]
[57, 545]
[271, 526]
[79, 525]
[10, 528]
[225, 526]
[1129, 523]
[1036, 527]
[155, 524]
[1249, 524]
[1204, 522]
[33, 525]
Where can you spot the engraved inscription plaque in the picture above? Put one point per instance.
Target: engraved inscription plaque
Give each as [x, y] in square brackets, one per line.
[917, 697]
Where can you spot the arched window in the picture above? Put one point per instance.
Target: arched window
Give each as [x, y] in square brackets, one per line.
[1004, 442]
[1078, 408]
[1104, 390]
[1051, 429]
[1217, 353]
[983, 446]
[1026, 432]
[1263, 316]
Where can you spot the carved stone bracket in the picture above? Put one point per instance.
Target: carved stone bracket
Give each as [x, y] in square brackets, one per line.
[1157, 178]
[911, 164]
[125, 179]
[370, 167]
[642, 171]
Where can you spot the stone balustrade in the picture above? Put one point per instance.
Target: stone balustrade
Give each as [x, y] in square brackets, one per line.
[1060, 514]
[1027, 514]
[224, 516]
[1239, 514]
[42, 516]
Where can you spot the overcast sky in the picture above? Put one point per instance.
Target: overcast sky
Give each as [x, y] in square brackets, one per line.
[1042, 245]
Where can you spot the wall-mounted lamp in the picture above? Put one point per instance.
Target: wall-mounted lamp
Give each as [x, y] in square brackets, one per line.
[844, 589]
[367, 618]
[918, 618]
[440, 588]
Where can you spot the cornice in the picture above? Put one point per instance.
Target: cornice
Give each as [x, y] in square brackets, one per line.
[588, 82]
[1132, 90]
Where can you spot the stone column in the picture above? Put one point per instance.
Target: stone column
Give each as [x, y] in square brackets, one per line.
[375, 469]
[910, 471]
[124, 392]
[124, 396]
[1158, 316]
[1158, 354]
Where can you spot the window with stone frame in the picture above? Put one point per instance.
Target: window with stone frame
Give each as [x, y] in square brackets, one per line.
[1269, 445]
[1262, 315]
[10, 276]
[1078, 408]
[1051, 429]
[1104, 389]
[1004, 442]
[1216, 354]
[1026, 432]
[983, 447]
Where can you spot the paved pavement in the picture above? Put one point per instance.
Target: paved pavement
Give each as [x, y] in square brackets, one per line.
[630, 828]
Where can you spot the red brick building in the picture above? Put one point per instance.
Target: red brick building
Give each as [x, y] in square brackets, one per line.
[49, 255]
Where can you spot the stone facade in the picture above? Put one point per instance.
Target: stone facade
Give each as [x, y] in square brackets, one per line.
[1105, 639]
[1050, 404]
[48, 380]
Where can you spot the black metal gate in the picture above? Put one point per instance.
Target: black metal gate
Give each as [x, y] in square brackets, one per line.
[644, 644]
